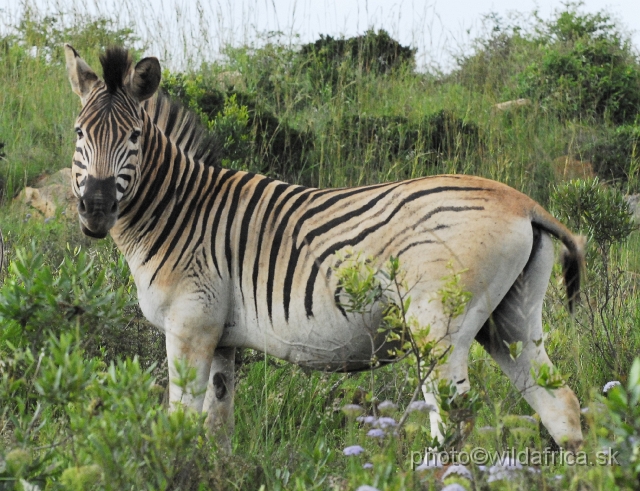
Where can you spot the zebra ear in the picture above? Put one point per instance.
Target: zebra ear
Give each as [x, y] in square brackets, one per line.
[81, 76]
[145, 79]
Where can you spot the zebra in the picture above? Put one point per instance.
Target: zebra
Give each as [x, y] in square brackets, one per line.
[225, 259]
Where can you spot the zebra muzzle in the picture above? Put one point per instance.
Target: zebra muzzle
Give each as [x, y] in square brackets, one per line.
[98, 207]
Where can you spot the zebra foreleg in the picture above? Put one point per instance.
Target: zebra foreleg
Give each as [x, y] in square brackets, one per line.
[187, 352]
[218, 402]
[435, 419]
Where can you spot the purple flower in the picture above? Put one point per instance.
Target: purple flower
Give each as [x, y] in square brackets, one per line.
[366, 419]
[385, 422]
[420, 406]
[376, 433]
[368, 465]
[506, 469]
[610, 385]
[458, 470]
[387, 407]
[353, 450]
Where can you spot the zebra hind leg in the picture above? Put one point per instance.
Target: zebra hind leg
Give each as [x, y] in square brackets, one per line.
[518, 318]
[218, 402]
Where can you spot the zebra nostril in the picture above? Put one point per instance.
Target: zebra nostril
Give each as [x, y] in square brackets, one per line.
[114, 208]
[81, 206]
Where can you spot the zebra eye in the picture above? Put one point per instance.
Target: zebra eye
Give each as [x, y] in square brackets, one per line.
[79, 133]
[135, 134]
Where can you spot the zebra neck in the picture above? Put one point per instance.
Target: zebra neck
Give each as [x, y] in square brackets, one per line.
[166, 181]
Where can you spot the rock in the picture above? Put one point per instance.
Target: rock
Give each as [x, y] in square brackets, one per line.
[566, 168]
[49, 194]
[634, 206]
[504, 106]
[231, 80]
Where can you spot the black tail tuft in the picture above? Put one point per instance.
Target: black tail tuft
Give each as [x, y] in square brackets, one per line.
[573, 270]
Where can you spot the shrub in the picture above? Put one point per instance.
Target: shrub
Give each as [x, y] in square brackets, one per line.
[615, 156]
[90, 293]
[70, 417]
[610, 312]
[35, 298]
[600, 212]
[374, 53]
[495, 61]
[622, 419]
[90, 34]
[586, 69]
[381, 141]
[252, 137]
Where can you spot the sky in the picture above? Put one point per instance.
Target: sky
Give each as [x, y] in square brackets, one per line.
[439, 29]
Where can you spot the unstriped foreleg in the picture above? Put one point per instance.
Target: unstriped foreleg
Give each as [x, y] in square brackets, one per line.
[186, 353]
[218, 402]
[435, 419]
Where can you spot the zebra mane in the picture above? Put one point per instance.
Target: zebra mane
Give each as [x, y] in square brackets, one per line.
[116, 63]
[183, 127]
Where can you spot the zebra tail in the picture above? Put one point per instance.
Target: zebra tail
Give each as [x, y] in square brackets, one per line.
[573, 255]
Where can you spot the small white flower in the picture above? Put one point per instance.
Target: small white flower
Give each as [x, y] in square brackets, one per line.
[387, 407]
[366, 487]
[506, 469]
[376, 433]
[584, 410]
[385, 422]
[353, 450]
[510, 463]
[458, 470]
[367, 465]
[454, 487]
[433, 462]
[366, 419]
[610, 385]
[420, 406]
[352, 410]
[486, 430]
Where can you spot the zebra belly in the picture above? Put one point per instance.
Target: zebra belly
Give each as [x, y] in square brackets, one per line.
[345, 347]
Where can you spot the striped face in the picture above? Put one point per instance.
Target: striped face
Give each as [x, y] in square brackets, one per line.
[110, 130]
[105, 163]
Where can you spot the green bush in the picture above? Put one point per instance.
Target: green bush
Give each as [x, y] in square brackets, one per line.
[335, 62]
[615, 156]
[76, 410]
[371, 52]
[35, 298]
[495, 61]
[381, 142]
[610, 312]
[622, 420]
[586, 69]
[251, 137]
[595, 210]
[90, 35]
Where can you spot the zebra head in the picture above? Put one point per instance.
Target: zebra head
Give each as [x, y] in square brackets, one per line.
[105, 169]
